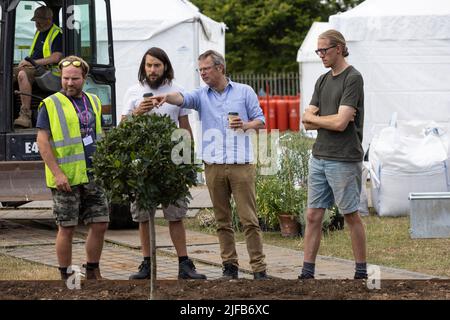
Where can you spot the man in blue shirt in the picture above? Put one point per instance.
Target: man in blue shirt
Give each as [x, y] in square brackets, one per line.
[228, 156]
[45, 50]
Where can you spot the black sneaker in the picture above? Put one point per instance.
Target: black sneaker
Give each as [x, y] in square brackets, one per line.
[186, 270]
[305, 277]
[359, 276]
[143, 273]
[262, 275]
[230, 271]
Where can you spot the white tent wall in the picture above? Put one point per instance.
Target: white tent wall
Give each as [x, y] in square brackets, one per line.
[409, 77]
[176, 26]
[402, 49]
[310, 65]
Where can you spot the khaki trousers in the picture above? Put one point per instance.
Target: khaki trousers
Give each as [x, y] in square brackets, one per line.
[237, 179]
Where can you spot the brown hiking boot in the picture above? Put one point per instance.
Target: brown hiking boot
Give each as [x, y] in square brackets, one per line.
[24, 119]
[92, 274]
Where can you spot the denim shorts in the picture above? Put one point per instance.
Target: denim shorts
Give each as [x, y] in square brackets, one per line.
[334, 182]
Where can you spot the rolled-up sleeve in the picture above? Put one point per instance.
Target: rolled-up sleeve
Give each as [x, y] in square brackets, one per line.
[254, 110]
[192, 99]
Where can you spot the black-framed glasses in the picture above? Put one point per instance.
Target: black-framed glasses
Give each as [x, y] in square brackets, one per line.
[323, 51]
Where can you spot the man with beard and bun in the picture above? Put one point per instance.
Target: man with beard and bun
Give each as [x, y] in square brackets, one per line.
[69, 124]
[155, 76]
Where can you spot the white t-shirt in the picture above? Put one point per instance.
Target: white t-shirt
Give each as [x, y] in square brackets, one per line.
[133, 97]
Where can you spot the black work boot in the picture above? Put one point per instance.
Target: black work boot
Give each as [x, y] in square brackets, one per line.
[305, 276]
[360, 275]
[230, 271]
[143, 273]
[261, 275]
[186, 270]
[92, 273]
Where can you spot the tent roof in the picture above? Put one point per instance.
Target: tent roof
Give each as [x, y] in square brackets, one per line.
[306, 53]
[143, 19]
[391, 20]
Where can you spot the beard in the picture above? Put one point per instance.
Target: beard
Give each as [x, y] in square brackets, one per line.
[73, 92]
[155, 84]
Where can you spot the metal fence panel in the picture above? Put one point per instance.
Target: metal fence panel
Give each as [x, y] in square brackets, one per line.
[280, 84]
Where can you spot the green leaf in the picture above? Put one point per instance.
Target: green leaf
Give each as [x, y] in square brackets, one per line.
[133, 161]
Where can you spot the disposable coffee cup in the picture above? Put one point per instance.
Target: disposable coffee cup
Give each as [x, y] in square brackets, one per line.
[231, 116]
[147, 95]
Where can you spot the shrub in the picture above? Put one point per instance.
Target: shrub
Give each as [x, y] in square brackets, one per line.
[286, 191]
[134, 162]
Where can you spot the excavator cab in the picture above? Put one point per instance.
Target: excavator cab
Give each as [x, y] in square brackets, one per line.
[86, 32]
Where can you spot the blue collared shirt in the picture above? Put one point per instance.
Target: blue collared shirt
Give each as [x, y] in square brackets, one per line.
[219, 144]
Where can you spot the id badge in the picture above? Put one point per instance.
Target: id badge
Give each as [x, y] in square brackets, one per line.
[87, 140]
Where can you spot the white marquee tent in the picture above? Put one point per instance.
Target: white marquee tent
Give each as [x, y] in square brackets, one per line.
[402, 49]
[176, 26]
[310, 65]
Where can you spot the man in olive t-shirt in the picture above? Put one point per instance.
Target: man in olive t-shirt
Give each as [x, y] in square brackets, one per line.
[336, 111]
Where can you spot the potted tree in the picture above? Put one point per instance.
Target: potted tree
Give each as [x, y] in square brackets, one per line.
[135, 162]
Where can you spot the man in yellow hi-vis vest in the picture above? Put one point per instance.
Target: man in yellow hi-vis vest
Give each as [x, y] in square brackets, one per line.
[69, 124]
[46, 50]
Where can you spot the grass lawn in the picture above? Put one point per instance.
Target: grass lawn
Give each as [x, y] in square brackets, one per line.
[17, 269]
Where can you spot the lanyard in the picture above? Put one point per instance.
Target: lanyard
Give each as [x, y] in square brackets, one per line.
[85, 117]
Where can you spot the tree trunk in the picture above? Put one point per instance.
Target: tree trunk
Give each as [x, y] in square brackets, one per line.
[151, 226]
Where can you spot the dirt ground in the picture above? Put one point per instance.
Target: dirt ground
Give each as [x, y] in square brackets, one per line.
[273, 289]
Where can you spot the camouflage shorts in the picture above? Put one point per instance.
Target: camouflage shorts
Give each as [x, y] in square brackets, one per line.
[171, 213]
[86, 202]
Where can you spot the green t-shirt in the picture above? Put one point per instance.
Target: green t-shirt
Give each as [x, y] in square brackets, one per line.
[330, 92]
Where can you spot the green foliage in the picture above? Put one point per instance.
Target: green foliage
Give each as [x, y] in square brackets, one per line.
[286, 191]
[332, 220]
[268, 200]
[133, 162]
[265, 35]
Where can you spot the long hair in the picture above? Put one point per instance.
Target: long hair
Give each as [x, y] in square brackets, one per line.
[159, 54]
[335, 38]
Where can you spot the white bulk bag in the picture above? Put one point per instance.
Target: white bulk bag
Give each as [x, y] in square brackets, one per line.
[410, 156]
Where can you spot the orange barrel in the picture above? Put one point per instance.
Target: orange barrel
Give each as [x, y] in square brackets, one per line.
[294, 115]
[272, 115]
[282, 115]
[263, 104]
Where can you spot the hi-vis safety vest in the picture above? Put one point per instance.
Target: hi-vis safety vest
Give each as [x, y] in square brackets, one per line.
[47, 48]
[66, 138]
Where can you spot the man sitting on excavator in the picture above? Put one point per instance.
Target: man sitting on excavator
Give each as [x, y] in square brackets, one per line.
[46, 50]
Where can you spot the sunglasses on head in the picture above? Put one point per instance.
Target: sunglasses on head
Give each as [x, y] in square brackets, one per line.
[66, 63]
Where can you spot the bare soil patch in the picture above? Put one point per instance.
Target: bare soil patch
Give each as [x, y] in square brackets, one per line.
[274, 289]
